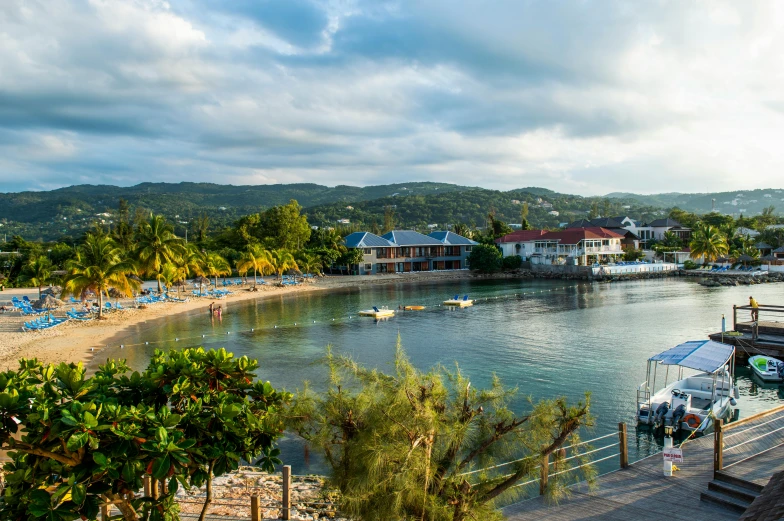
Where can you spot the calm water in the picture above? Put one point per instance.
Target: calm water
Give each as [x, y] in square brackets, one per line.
[561, 338]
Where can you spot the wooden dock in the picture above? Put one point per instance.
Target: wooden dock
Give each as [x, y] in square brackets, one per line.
[642, 492]
[763, 337]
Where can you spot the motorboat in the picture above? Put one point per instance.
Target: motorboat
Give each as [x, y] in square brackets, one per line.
[689, 403]
[458, 302]
[377, 313]
[767, 368]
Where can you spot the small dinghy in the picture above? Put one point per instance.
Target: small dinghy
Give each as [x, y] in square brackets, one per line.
[457, 301]
[768, 368]
[377, 313]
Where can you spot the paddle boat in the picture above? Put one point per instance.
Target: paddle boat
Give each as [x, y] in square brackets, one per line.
[767, 368]
[413, 308]
[377, 313]
[689, 403]
[457, 301]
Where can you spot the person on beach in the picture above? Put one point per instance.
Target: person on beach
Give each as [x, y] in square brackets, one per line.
[754, 309]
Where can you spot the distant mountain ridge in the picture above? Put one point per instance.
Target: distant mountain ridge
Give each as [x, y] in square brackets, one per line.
[69, 211]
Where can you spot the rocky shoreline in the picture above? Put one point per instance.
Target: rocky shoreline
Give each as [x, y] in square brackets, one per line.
[707, 279]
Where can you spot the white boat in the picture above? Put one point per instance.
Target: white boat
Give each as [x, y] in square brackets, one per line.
[689, 403]
[768, 368]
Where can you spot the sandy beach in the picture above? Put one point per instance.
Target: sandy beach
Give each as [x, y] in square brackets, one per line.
[80, 341]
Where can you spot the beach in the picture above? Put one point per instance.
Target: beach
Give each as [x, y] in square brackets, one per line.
[81, 341]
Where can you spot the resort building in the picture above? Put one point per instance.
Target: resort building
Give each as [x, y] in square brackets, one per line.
[403, 251]
[576, 246]
[620, 225]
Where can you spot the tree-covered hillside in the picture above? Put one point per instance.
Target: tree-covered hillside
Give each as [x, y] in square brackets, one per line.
[742, 202]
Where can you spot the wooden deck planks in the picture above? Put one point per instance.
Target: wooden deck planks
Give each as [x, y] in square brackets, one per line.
[642, 492]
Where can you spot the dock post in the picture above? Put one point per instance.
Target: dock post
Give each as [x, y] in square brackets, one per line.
[718, 445]
[254, 508]
[147, 486]
[286, 510]
[623, 445]
[105, 512]
[734, 317]
[543, 474]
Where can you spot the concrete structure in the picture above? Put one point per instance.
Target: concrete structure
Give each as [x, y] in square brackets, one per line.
[403, 251]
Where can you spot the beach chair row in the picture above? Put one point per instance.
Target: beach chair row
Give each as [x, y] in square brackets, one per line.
[43, 323]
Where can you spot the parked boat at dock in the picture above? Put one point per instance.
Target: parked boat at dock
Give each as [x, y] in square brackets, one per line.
[457, 301]
[689, 403]
[767, 368]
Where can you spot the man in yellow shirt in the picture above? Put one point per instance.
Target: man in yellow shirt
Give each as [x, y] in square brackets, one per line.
[754, 309]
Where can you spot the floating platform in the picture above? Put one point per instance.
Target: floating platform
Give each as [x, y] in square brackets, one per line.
[459, 303]
[377, 313]
[413, 308]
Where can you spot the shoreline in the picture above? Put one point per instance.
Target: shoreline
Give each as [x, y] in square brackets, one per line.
[82, 341]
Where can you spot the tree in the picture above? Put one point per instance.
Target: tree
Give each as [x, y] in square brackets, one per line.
[524, 213]
[209, 264]
[191, 415]
[281, 261]
[400, 446]
[462, 229]
[202, 227]
[157, 245]
[352, 257]
[687, 219]
[766, 218]
[308, 262]
[284, 227]
[98, 265]
[594, 213]
[389, 219]
[671, 240]
[497, 228]
[38, 272]
[123, 231]
[606, 208]
[708, 242]
[172, 273]
[485, 258]
[256, 258]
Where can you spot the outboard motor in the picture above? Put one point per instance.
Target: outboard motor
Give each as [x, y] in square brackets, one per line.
[661, 412]
[677, 416]
[780, 369]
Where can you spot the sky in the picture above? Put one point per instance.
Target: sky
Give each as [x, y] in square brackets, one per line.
[584, 97]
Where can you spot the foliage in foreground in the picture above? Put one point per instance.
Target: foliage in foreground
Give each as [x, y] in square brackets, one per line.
[77, 443]
[400, 446]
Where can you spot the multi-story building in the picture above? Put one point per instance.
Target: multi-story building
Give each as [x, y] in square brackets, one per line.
[582, 246]
[403, 251]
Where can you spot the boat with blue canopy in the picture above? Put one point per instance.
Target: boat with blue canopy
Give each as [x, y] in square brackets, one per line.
[688, 402]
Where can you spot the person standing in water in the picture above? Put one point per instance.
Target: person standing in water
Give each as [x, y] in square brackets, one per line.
[212, 308]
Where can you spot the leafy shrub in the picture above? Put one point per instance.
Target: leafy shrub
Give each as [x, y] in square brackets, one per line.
[690, 265]
[485, 258]
[512, 263]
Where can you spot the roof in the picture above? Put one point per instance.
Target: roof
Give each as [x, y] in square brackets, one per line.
[702, 355]
[624, 233]
[450, 238]
[779, 250]
[763, 246]
[410, 238]
[672, 223]
[575, 235]
[582, 223]
[769, 505]
[366, 240]
[521, 236]
[607, 222]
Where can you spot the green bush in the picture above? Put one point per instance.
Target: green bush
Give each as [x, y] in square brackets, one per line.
[485, 258]
[690, 265]
[512, 263]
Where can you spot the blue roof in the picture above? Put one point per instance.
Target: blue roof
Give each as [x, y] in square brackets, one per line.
[703, 355]
[452, 239]
[410, 238]
[366, 240]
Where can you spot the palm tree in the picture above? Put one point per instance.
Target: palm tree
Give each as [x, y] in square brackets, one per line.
[708, 242]
[309, 263]
[209, 264]
[157, 245]
[282, 260]
[256, 258]
[39, 272]
[172, 273]
[99, 264]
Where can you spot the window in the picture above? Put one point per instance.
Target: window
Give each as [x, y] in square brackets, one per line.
[368, 267]
[468, 249]
[367, 251]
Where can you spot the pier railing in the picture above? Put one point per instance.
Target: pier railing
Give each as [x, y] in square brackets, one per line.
[763, 309]
[737, 442]
[545, 465]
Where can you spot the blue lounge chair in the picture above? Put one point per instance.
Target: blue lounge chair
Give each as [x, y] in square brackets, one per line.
[465, 297]
[375, 309]
[456, 297]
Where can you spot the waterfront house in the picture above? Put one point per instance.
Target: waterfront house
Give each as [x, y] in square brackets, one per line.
[581, 246]
[655, 230]
[403, 251]
[615, 224]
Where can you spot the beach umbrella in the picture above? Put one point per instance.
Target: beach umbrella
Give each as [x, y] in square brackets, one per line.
[49, 291]
[768, 258]
[48, 302]
[116, 293]
[201, 281]
[179, 284]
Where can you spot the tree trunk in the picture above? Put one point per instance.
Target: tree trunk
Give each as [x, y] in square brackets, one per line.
[208, 499]
[255, 278]
[125, 508]
[100, 304]
[159, 284]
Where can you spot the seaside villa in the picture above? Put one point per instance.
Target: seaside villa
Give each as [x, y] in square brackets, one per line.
[404, 251]
[575, 246]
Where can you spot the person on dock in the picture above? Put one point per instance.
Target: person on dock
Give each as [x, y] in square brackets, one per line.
[754, 309]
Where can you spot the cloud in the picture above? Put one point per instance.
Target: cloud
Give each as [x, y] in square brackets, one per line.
[585, 97]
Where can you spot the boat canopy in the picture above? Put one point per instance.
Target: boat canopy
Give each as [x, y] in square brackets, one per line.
[703, 355]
